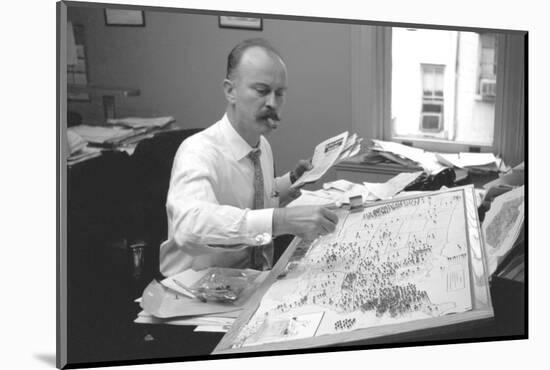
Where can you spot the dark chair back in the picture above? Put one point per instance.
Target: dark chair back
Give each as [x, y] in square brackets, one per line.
[152, 162]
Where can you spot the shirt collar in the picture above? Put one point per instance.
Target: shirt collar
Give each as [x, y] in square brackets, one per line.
[236, 144]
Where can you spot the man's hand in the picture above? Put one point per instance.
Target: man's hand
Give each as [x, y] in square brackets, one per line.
[307, 222]
[302, 166]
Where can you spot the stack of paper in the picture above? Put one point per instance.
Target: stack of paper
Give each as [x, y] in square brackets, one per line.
[409, 156]
[83, 155]
[483, 162]
[76, 142]
[328, 153]
[141, 122]
[335, 193]
[338, 193]
[103, 134]
[78, 149]
[432, 162]
[191, 298]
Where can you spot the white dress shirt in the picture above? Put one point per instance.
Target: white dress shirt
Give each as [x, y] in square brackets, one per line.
[209, 205]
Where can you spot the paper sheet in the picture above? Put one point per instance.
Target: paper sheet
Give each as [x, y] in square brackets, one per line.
[187, 278]
[101, 134]
[331, 196]
[213, 328]
[324, 156]
[312, 198]
[392, 186]
[399, 149]
[144, 317]
[427, 160]
[477, 159]
[83, 154]
[342, 185]
[352, 147]
[140, 122]
[76, 142]
[163, 302]
[464, 160]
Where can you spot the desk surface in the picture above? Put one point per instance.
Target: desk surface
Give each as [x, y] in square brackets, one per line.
[101, 309]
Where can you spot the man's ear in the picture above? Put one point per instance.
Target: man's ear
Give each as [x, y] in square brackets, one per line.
[229, 90]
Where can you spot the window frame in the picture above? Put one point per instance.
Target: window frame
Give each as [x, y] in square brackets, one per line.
[433, 98]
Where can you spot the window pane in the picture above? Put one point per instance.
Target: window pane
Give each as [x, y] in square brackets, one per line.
[455, 69]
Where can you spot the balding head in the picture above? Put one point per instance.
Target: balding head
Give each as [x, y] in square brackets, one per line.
[236, 55]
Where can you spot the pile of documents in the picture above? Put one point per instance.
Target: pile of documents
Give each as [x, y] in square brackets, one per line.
[140, 122]
[328, 153]
[210, 299]
[431, 162]
[338, 193]
[118, 134]
[480, 162]
[104, 135]
[121, 131]
[78, 149]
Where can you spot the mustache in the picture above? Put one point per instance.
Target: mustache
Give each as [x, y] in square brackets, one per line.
[271, 114]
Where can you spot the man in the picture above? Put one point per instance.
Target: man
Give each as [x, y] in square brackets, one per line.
[223, 201]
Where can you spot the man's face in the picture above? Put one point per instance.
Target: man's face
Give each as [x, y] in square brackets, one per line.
[259, 91]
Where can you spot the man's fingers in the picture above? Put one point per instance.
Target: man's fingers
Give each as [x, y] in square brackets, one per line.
[328, 222]
[304, 165]
[327, 227]
[307, 164]
[327, 213]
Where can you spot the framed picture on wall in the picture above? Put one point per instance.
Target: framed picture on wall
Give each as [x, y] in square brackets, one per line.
[241, 22]
[124, 17]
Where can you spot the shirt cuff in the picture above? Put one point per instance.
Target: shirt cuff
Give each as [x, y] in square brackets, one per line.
[260, 226]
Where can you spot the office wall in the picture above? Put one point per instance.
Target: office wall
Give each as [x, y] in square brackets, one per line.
[178, 62]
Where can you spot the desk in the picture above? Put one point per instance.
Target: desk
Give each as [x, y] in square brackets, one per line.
[101, 307]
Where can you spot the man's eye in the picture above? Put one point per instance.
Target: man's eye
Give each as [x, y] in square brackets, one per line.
[262, 91]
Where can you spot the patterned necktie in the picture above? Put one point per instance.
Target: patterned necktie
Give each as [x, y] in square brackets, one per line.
[262, 256]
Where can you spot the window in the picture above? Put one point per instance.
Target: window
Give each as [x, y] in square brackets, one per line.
[431, 118]
[483, 102]
[486, 88]
[443, 87]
